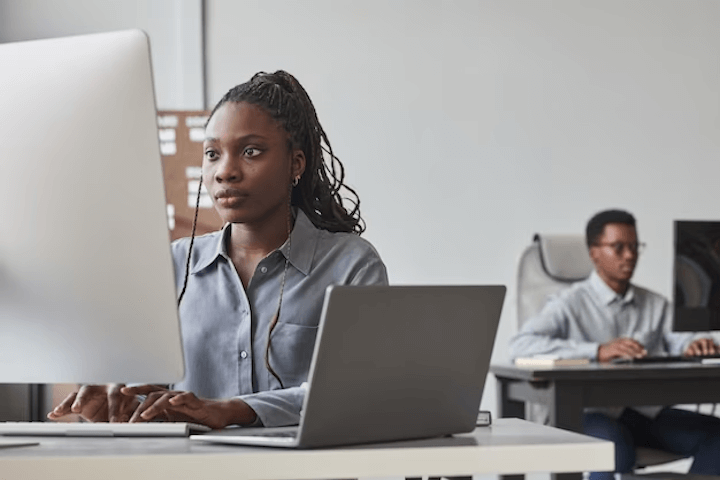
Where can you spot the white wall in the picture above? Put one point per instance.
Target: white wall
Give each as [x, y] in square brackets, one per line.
[467, 126]
[174, 28]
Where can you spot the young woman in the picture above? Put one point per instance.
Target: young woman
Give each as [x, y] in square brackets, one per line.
[251, 294]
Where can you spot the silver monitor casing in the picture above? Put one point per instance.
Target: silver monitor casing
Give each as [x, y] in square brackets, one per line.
[87, 291]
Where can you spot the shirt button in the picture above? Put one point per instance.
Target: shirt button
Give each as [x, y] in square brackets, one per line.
[243, 354]
[263, 269]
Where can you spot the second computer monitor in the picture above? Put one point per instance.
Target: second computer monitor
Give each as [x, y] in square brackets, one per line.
[697, 275]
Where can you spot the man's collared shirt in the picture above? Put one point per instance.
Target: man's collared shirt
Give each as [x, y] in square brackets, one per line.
[589, 313]
[225, 326]
[574, 323]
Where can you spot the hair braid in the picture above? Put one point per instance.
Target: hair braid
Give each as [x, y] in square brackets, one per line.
[319, 193]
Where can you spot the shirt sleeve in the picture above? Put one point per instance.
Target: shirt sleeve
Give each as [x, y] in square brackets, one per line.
[277, 408]
[372, 273]
[677, 342]
[547, 332]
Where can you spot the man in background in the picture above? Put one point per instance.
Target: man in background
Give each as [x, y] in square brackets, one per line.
[606, 317]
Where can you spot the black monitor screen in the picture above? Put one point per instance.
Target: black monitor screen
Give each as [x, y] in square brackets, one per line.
[697, 276]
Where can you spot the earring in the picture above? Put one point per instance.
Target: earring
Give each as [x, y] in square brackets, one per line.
[295, 181]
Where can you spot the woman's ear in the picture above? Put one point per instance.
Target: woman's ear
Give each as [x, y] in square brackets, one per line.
[297, 165]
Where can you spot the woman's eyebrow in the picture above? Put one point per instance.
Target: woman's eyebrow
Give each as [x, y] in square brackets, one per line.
[242, 138]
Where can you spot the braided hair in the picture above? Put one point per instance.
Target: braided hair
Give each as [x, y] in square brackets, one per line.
[317, 193]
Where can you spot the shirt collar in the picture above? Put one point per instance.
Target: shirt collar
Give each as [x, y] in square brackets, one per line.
[301, 246]
[608, 295]
[303, 239]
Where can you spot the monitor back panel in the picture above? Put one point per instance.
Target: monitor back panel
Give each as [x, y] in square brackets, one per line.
[87, 291]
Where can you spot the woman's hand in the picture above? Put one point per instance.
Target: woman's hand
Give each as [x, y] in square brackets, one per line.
[97, 403]
[178, 406]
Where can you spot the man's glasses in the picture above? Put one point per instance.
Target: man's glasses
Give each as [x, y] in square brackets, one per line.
[619, 247]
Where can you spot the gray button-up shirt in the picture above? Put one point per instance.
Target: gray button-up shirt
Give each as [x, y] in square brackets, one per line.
[574, 323]
[225, 326]
[580, 318]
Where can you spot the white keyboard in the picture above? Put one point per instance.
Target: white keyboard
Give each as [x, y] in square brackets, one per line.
[100, 429]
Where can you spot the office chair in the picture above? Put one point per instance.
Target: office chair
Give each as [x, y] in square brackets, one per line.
[548, 265]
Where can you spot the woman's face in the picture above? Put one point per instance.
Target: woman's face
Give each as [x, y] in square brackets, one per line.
[248, 165]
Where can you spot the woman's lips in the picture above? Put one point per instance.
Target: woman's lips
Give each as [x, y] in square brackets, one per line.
[230, 197]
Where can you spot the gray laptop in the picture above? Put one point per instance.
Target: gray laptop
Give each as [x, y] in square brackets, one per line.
[391, 363]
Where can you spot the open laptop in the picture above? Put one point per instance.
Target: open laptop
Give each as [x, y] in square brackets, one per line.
[391, 363]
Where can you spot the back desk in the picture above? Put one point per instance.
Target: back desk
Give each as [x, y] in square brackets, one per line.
[566, 391]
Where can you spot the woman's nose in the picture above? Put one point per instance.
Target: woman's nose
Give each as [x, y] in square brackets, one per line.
[227, 171]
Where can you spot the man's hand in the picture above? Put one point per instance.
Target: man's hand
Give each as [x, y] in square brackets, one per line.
[620, 348]
[701, 346]
[97, 403]
[177, 406]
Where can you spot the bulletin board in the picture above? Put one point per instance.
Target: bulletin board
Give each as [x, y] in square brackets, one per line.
[181, 139]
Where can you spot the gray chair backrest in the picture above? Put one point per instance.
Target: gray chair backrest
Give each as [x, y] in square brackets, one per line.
[549, 264]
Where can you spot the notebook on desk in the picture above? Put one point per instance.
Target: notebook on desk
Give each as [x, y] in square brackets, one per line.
[101, 429]
[391, 363]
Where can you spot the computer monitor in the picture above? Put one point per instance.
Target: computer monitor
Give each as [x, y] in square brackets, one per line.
[697, 276]
[87, 290]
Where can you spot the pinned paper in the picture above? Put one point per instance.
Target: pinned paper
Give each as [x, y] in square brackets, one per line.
[168, 148]
[193, 172]
[197, 134]
[166, 134]
[196, 121]
[167, 121]
[205, 200]
[171, 216]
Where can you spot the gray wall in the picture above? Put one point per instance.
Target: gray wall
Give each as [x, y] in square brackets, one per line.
[174, 27]
[467, 126]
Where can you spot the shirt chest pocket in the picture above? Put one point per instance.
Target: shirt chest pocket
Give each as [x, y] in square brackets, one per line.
[300, 310]
[291, 351]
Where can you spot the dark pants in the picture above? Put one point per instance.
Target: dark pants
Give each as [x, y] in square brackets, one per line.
[677, 431]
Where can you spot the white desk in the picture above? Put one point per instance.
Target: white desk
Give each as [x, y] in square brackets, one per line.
[509, 446]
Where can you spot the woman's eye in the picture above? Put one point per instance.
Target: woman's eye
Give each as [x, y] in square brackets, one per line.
[251, 152]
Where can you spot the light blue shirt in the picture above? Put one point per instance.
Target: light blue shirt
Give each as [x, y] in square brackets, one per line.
[574, 323]
[225, 326]
[579, 319]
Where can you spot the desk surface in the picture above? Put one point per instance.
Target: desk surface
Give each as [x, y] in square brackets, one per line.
[607, 385]
[567, 391]
[508, 446]
[605, 371]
